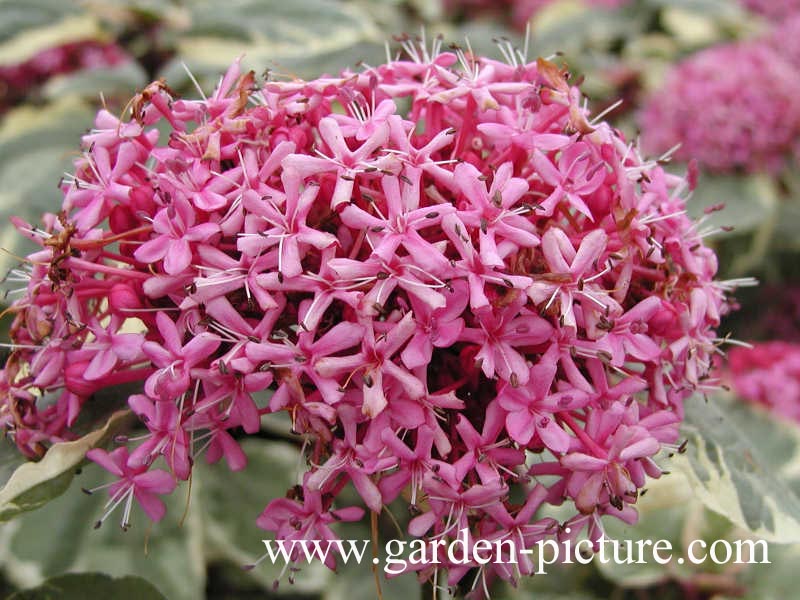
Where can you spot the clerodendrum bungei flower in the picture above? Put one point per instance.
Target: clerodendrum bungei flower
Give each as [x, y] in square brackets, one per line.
[481, 296]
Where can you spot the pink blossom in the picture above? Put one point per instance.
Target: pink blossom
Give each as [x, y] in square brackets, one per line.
[135, 482]
[306, 518]
[176, 226]
[174, 359]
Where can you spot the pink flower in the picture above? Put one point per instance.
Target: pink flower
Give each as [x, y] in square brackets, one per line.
[500, 335]
[174, 359]
[532, 409]
[490, 211]
[135, 482]
[308, 517]
[111, 349]
[575, 176]
[568, 274]
[176, 226]
[167, 436]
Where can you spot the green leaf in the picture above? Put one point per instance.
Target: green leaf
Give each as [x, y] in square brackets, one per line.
[744, 464]
[354, 581]
[78, 586]
[749, 200]
[60, 538]
[37, 145]
[775, 581]
[219, 528]
[718, 8]
[524, 592]
[119, 81]
[233, 501]
[788, 218]
[357, 582]
[10, 459]
[299, 37]
[573, 27]
[690, 28]
[120, 12]
[561, 582]
[30, 26]
[34, 484]
[668, 511]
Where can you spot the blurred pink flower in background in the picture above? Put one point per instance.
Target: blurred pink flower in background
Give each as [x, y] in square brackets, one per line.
[784, 38]
[773, 9]
[768, 374]
[521, 10]
[21, 79]
[730, 107]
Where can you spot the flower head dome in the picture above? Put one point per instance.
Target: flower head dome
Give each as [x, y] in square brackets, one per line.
[460, 289]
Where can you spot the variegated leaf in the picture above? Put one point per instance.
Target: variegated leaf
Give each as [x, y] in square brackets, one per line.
[745, 465]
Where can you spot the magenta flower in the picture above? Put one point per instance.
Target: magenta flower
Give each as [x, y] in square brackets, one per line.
[500, 336]
[176, 225]
[490, 211]
[135, 482]
[487, 452]
[412, 465]
[569, 275]
[574, 177]
[111, 348]
[532, 409]
[268, 226]
[628, 334]
[174, 359]
[167, 436]
[306, 518]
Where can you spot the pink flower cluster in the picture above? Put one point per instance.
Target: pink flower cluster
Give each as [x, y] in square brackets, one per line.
[476, 305]
[18, 80]
[521, 11]
[731, 107]
[767, 374]
[775, 10]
